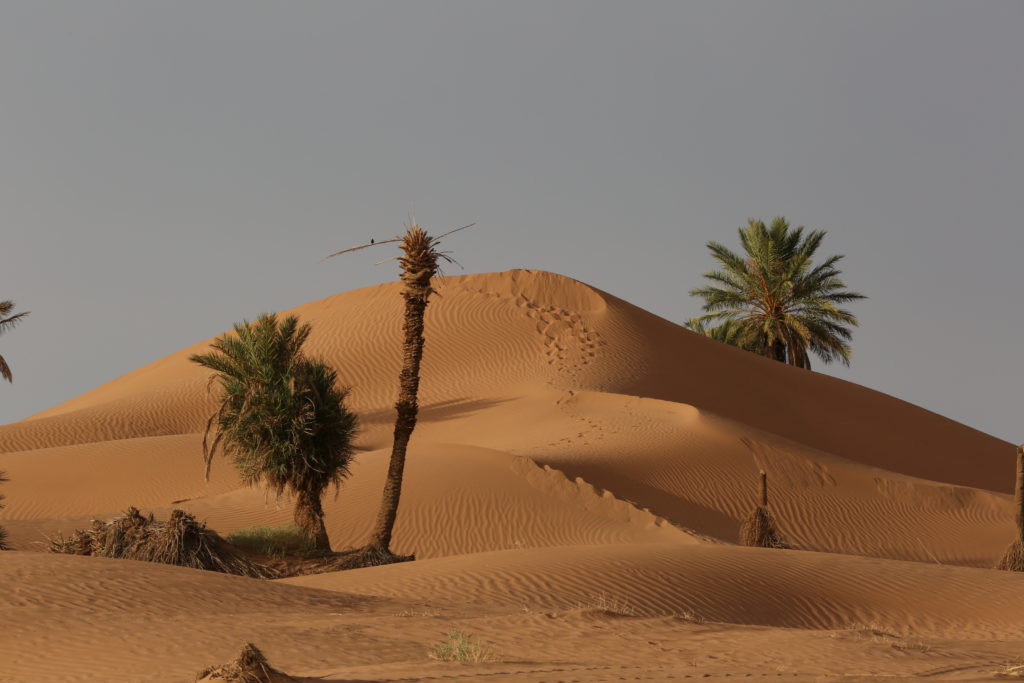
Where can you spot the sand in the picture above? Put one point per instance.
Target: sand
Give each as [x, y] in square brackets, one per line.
[573, 495]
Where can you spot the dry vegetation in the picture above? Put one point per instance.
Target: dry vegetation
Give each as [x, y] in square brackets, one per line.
[181, 540]
[250, 667]
[759, 529]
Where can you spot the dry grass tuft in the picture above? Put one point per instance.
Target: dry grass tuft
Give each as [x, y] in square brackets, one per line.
[250, 667]
[461, 648]
[608, 605]
[181, 541]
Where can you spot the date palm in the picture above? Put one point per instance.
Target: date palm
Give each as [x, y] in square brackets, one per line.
[282, 416]
[8, 321]
[772, 300]
[419, 264]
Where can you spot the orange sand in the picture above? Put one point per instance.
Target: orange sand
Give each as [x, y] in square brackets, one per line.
[573, 492]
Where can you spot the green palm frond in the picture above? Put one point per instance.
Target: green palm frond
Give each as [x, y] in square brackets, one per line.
[281, 417]
[8, 322]
[773, 300]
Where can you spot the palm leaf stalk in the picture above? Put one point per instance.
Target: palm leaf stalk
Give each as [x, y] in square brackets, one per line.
[7, 322]
[419, 263]
[774, 301]
[1013, 558]
[282, 416]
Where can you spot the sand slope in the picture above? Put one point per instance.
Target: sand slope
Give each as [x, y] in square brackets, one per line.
[570, 446]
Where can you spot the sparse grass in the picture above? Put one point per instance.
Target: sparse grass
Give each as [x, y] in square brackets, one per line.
[418, 613]
[460, 647]
[877, 633]
[273, 542]
[1012, 670]
[689, 616]
[608, 605]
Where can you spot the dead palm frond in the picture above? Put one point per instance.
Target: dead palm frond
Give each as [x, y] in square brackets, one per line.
[250, 667]
[181, 541]
[759, 529]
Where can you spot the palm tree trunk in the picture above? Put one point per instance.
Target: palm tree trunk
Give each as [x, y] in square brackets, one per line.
[406, 408]
[1018, 493]
[779, 351]
[309, 516]
[419, 265]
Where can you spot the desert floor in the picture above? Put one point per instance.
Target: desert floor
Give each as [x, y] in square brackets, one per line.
[573, 495]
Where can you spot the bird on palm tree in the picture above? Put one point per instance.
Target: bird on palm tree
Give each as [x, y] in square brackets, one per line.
[8, 321]
[419, 263]
[772, 300]
[282, 416]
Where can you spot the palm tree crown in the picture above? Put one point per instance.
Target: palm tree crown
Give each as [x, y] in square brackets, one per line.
[282, 416]
[774, 301]
[8, 321]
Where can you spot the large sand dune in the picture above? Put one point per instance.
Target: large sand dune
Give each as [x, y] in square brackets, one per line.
[572, 450]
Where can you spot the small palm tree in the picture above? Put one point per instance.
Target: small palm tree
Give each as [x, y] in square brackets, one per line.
[282, 416]
[8, 321]
[774, 301]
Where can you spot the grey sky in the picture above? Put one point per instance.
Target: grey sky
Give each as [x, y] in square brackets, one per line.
[168, 168]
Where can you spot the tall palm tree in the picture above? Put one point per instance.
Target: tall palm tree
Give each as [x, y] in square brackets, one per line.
[419, 263]
[774, 301]
[7, 322]
[282, 416]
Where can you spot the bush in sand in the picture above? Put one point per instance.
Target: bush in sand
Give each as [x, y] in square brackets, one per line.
[181, 541]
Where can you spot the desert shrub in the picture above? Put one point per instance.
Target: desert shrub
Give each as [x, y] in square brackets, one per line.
[274, 542]
[461, 648]
[181, 540]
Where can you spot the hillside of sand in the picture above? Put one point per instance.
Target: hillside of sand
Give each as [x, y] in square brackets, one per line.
[577, 460]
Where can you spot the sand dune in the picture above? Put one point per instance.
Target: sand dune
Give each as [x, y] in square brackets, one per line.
[570, 446]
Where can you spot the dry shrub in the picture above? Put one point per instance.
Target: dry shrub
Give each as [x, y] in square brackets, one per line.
[181, 541]
[250, 667]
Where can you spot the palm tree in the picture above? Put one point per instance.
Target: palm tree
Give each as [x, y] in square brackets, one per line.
[7, 322]
[774, 301]
[419, 262]
[282, 416]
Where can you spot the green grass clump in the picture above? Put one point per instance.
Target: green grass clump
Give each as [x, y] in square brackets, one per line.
[273, 542]
[460, 648]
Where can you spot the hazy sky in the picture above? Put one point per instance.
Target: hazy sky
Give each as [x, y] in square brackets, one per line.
[168, 168]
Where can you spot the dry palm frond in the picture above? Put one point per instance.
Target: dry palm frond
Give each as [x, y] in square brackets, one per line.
[250, 667]
[181, 541]
[1013, 558]
[759, 529]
